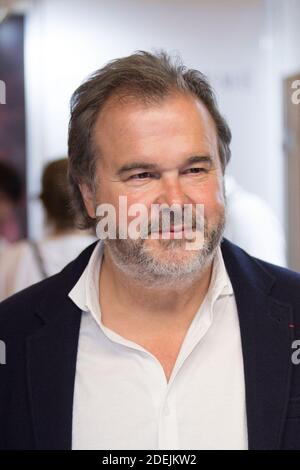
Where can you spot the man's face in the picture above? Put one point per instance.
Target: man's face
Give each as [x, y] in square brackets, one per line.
[164, 153]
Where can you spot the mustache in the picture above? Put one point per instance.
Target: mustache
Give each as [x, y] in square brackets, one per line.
[168, 220]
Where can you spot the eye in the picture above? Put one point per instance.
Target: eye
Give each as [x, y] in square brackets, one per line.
[196, 170]
[141, 176]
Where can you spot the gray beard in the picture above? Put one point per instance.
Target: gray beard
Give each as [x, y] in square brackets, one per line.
[136, 261]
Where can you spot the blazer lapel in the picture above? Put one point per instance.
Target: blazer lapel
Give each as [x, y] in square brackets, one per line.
[51, 360]
[266, 342]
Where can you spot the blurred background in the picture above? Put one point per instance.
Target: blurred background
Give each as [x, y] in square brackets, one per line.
[250, 51]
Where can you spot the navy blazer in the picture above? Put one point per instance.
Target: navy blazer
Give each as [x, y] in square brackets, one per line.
[40, 328]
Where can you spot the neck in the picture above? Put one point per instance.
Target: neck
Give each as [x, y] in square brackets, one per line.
[158, 305]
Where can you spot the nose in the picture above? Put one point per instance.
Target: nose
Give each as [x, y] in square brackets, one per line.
[172, 191]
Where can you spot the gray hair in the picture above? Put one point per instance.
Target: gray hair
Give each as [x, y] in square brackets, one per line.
[143, 75]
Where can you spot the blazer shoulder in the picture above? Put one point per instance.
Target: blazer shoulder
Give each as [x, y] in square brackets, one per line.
[286, 286]
[17, 312]
[286, 277]
[282, 283]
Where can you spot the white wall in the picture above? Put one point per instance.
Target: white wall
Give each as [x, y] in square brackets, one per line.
[230, 40]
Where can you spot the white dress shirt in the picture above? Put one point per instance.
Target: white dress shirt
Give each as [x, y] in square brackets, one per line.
[122, 399]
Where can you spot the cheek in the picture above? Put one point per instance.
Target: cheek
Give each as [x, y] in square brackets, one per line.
[123, 198]
[212, 196]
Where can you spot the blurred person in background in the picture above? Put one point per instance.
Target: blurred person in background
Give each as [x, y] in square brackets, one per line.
[10, 196]
[27, 262]
[251, 224]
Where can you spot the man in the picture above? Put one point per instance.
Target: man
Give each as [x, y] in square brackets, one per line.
[144, 343]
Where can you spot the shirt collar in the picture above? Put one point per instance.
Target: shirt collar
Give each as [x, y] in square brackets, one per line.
[85, 292]
[220, 283]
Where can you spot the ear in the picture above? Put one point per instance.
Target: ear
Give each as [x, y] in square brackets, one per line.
[88, 199]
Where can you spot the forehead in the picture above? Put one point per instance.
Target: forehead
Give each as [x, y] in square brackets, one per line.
[178, 123]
